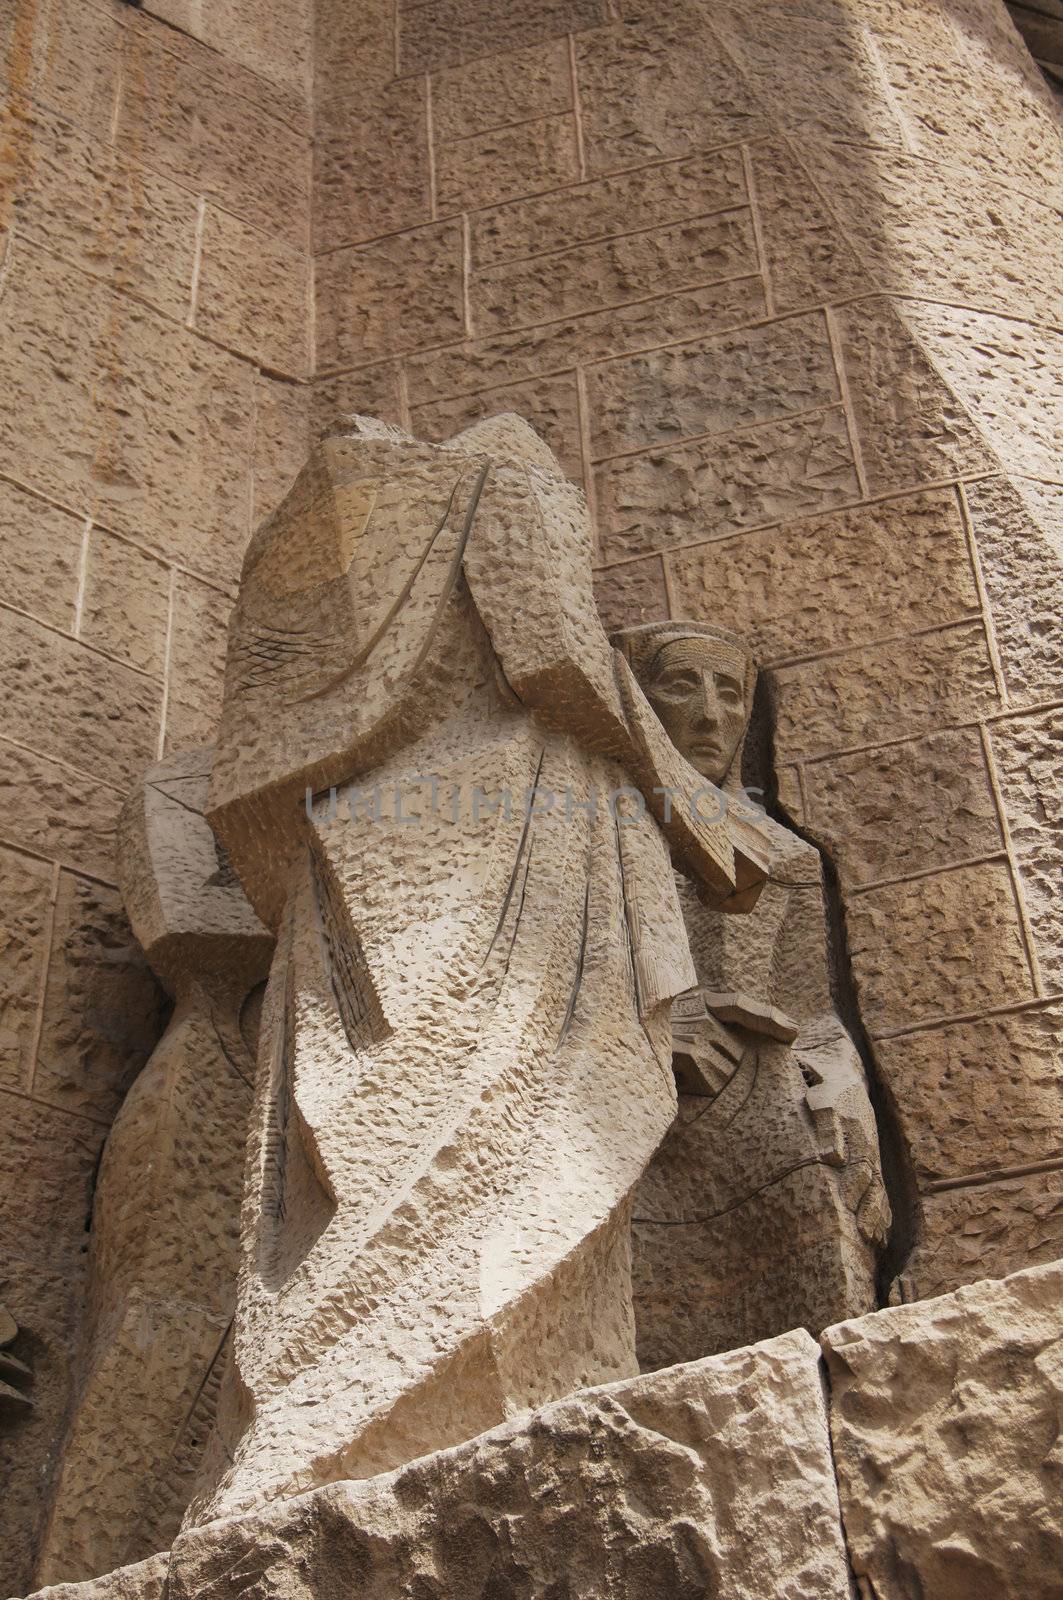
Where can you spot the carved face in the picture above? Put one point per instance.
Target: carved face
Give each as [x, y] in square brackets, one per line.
[696, 686]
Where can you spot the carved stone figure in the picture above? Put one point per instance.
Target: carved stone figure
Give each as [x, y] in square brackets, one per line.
[764, 1208]
[165, 1221]
[466, 1056]
[15, 1375]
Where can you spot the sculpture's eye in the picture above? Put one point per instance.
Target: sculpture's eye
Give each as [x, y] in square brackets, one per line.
[729, 691]
[677, 683]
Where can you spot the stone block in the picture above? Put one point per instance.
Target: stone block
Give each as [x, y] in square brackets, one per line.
[282, 441]
[375, 391]
[913, 428]
[709, 1478]
[354, 47]
[48, 1159]
[1015, 540]
[680, 494]
[511, 357]
[936, 946]
[502, 89]
[980, 1096]
[253, 294]
[53, 810]
[442, 33]
[660, 86]
[126, 603]
[656, 196]
[142, 1580]
[271, 37]
[863, 697]
[592, 277]
[488, 167]
[400, 293]
[48, 366]
[708, 386]
[985, 1230]
[1029, 757]
[371, 163]
[903, 808]
[632, 593]
[64, 700]
[79, 63]
[27, 894]
[196, 116]
[107, 215]
[103, 1009]
[821, 78]
[197, 662]
[549, 404]
[808, 260]
[40, 548]
[964, 97]
[835, 580]
[944, 1419]
[939, 231]
[171, 441]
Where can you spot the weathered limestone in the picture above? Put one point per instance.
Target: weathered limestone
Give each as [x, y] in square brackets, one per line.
[945, 1423]
[465, 1064]
[764, 1207]
[714, 1478]
[162, 1262]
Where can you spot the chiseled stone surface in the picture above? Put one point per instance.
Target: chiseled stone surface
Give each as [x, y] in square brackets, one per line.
[489, 167]
[980, 1096]
[712, 1478]
[1030, 767]
[945, 1425]
[980, 1230]
[1018, 530]
[506, 87]
[400, 293]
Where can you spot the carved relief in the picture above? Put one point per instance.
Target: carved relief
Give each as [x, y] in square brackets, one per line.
[764, 1208]
[163, 1250]
[465, 1057]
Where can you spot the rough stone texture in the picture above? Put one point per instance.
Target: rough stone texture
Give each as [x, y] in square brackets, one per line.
[883, 692]
[371, 164]
[1013, 540]
[252, 293]
[966, 930]
[944, 1420]
[631, 594]
[440, 33]
[940, 785]
[40, 548]
[979, 1230]
[1029, 762]
[27, 893]
[400, 293]
[197, 661]
[677, 494]
[980, 1096]
[710, 1478]
[489, 167]
[808, 258]
[163, 1250]
[551, 405]
[894, 567]
[48, 807]
[125, 602]
[503, 89]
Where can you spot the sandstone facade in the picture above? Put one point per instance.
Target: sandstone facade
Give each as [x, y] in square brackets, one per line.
[780, 286]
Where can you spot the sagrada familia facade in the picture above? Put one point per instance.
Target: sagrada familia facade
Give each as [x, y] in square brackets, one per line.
[531, 803]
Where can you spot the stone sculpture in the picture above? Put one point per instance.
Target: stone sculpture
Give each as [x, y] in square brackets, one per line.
[764, 1208]
[466, 1056]
[163, 1251]
[15, 1375]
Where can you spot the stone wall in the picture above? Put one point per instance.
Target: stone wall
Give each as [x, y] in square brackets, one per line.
[780, 284]
[154, 205]
[776, 281]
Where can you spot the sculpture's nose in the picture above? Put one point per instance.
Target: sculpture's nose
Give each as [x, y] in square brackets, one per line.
[707, 704]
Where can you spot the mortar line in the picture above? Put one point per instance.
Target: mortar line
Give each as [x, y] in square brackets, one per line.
[855, 448]
[46, 967]
[1028, 940]
[83, 567]
[164, 708]
[707, 438]
[669, 591]
[955, 1018]
[758, 231]
[927, 872]
[27, 850]
[67, 766]
[589, 487]
[983, 597]
[66, 1111]
[404, 396]
[73, 638]
[972, 1180]
[429, 128]
[466, 273]
[577, 111]
[197, 263]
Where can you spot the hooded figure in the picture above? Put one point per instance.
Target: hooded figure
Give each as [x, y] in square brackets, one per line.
[447, 794]
[764, 1208]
